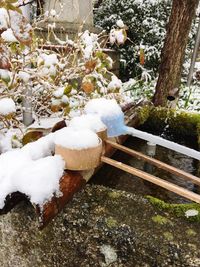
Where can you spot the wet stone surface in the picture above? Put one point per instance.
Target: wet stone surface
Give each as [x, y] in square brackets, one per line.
[100, 227]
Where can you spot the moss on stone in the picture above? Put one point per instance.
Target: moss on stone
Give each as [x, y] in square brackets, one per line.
[179, 122]
[161, 220]
[114, 194]
[111, 222]
[177, 209]
[191, 232]
[198, 134]
[168, 236]
[143, 113]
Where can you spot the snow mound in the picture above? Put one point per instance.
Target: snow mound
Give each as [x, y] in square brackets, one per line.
[40, 179]
[76, 139]
[103, 107]
[88, 121]
[37, 179]
[110, 113]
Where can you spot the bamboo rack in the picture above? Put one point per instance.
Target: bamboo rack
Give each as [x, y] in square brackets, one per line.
[151, 178]
[156, 163]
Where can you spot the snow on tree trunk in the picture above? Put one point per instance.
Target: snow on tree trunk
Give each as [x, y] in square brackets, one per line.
[173, 52]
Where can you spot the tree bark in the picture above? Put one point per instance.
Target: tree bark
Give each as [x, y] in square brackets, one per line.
[172, 56]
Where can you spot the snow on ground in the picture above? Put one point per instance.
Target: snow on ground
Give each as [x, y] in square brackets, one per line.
[109, 254]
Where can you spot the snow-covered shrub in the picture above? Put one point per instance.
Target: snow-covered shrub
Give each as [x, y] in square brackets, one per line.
[190, 97]
[146, 22]
[53, 82]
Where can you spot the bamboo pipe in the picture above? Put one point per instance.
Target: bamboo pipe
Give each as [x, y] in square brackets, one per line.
[153, 179]
[156, 163]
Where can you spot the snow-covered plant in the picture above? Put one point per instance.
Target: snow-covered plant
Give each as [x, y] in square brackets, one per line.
[190, 97]
[52, 78]
[145, 21]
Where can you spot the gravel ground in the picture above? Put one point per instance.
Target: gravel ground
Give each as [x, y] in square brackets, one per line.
[99, 227]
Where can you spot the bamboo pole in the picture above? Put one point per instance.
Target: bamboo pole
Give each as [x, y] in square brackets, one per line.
[156, 163]
[153, 179]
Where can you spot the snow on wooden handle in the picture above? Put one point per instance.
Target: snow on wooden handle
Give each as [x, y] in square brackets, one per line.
[156, 163]
[153, 179]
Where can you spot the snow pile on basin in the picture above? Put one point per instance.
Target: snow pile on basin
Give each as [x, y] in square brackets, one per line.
[88, 121]
[7, 106]
[103, 107]
[110, 113]
[76, 139]
[40, 179]
[37, 179]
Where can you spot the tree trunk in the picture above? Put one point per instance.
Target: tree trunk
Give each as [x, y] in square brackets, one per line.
[172, 56]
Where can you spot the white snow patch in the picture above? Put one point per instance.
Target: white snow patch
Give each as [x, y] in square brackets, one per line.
[117, 36]
[103, 107]
[76, 139]
[191, 213]
[120, 23]
[59, 92]
[46, 123]
[49, 60]
[24, 76]
[65, 99]
[8, 36]
[53, 12]
[6, 140]
[5, 75]
[40, 179]
[37, 179]
[115, 83]
[109, 254]
[4, 18]
[41, 148]
[88, 121]
[7, 106]
[89, 41]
